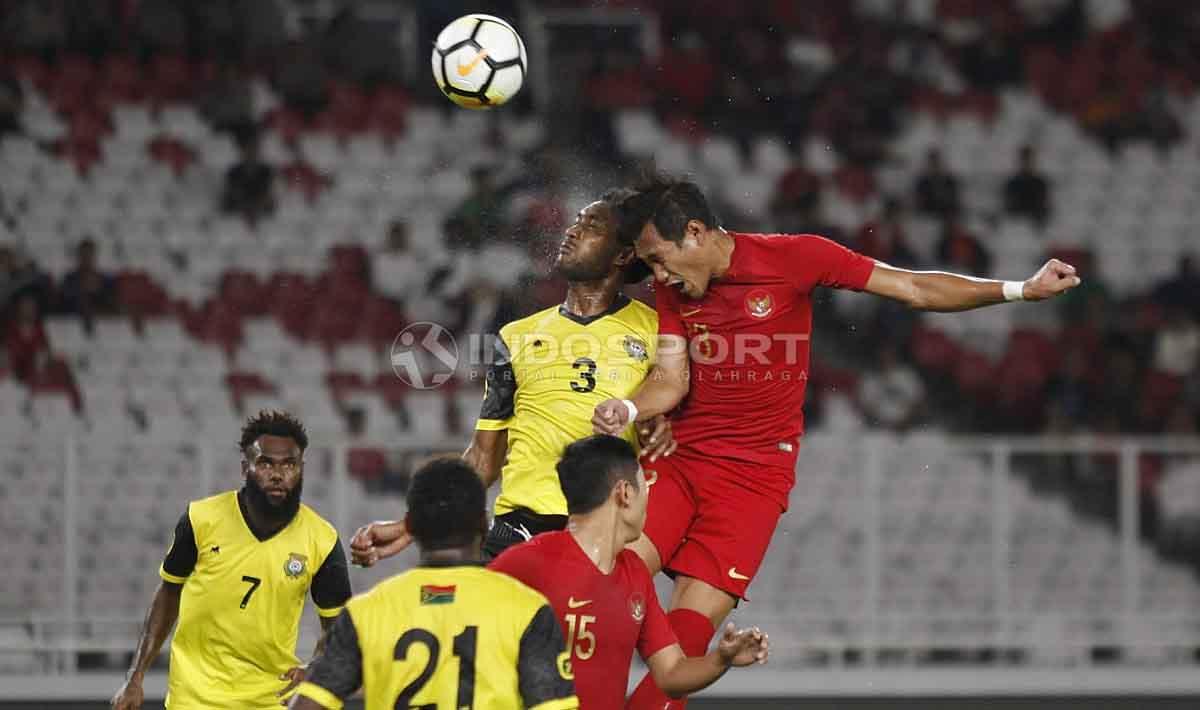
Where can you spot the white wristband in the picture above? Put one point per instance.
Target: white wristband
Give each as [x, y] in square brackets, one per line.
[1014, 290]
[631, 408]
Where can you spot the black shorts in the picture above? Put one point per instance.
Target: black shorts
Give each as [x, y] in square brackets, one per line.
[516, 527]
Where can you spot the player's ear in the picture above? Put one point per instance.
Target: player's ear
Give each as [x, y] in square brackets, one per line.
[625, 257]
[696, 230]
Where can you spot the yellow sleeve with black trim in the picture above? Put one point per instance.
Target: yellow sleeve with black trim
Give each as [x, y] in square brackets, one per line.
[544, 670]
[337, 672]
[331, 584]
[499, 388]
[181, 559]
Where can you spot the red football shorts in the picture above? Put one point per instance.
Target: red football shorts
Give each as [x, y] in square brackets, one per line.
[705, 522]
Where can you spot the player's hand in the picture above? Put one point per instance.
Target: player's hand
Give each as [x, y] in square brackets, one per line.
[656, 437]
[129, 696]
[294, 676]
[742, 647]
[611, 417]
[378, 541]
[1055, 277]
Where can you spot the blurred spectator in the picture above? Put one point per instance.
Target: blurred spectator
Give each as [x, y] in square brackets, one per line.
[1183, 289]
[960, 251]
[11, 103]
[36, 26]
[26, 342]
[86, 291]
[992, 61]
[891, 394]
[302, 79]
[228, 101]
[936, 191]
[1027, 193]
[883, 237]
[1177, 344]
[161, 26]
[480, 216]
[20, 276]
[400, 272]
[249, 185]
[1069, 392]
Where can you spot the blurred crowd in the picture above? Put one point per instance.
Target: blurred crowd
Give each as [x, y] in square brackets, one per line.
[849, 72]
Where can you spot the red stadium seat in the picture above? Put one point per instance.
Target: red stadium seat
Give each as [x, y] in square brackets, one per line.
[171, 79]
[302, 176]
[344, 384]
[243, 384]
[242, 292]
[381, 321]
[387, 112]
[974, 373]
[390, 387]
[140, 296]
[289, 124]
[366, 463]
[122, 78]
[172, 152]
[55, 377]
[933, 350]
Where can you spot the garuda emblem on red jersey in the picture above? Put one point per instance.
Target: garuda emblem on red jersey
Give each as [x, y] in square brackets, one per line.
[759, 304]
[637, 607]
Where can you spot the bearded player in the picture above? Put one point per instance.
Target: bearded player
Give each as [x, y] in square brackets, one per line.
[550, 371]
[235, 579]
[735, 317]
[602, 593]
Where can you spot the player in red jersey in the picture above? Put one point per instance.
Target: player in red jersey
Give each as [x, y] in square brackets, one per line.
[735, 316]
[602, 592]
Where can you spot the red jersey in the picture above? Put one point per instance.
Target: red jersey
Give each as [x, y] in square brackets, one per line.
[604, 616]
[748, 339]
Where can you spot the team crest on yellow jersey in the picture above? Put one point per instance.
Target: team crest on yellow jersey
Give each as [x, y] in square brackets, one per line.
[295, 565]
[635, 347]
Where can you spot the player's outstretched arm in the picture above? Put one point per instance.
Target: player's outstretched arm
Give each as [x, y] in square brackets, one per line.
[677, 675]
[160, 619]
[378, 541]
[486, 453]
[944, 292]
[663, 389]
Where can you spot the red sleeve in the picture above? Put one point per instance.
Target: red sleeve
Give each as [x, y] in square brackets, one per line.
[520, 563]
[656, 631]
[817, 261]
[669, 322]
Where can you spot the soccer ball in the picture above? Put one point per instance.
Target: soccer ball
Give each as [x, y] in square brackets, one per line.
[479, 61]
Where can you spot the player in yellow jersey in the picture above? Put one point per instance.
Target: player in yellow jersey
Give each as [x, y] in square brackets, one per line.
[548, 370]
[235, 579]
[449, 633]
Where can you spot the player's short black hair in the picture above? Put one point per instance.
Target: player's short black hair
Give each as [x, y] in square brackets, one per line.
[637, 271]
[667, 202]
[589, 468]
[446, 504]
[273, 423]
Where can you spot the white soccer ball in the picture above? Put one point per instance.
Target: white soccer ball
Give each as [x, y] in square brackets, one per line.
[479, 61]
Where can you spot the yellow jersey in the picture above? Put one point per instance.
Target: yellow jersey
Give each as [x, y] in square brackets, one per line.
[446, 637]
[239, 611]
[549, 372]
